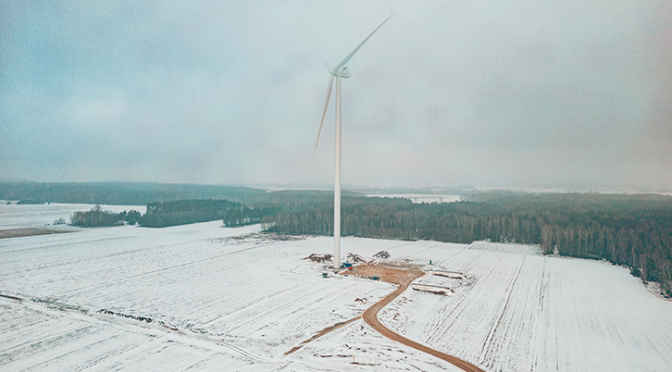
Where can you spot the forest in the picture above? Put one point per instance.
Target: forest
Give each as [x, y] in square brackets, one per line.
[174, 213]
[629, 230]
[97, 217]
[119, 193]
[180, 212]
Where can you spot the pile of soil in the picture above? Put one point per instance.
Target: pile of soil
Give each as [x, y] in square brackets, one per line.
[354, 258]
[320, 257]
[19, 233]
[382, 254]
[394, 275]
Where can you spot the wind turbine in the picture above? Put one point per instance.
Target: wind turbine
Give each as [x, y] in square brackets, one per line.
[339, 71]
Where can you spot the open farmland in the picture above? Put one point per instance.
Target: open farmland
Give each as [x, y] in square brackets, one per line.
[205, 297]
[17, 216]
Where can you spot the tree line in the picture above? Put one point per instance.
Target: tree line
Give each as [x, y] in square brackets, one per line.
[120, 193]
[97, 217]
[180, 212]
[629, 230]
[173, 213]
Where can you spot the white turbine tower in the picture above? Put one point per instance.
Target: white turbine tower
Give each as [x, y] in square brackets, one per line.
[339, 71]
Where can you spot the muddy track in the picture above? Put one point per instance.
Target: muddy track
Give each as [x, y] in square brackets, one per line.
[371, 318]
[31, 231]
[403, 277]
[322, 333]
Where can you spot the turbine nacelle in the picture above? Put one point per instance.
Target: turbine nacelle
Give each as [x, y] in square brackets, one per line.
[344, 73]
[339, 71]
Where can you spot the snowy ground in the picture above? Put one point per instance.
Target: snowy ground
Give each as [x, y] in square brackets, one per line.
[518, 312]
[15, 216]
[532, 250]
[221, 299]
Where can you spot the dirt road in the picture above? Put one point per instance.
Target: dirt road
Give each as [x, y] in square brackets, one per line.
[31, 231]
[320, 333]
[401, 277]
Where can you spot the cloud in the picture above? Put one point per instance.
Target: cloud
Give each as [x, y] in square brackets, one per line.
[446, 92]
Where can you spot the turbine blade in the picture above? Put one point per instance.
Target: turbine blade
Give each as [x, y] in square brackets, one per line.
[344, 61]
[324, 112]
[325, 62]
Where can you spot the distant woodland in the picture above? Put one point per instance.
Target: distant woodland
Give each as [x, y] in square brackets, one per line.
[182, 212]
[629, 230]
[115, 193]
[97, 217]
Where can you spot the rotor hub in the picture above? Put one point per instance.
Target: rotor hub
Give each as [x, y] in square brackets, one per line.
[343, 73]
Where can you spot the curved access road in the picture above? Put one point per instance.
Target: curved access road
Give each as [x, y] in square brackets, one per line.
[370, 316]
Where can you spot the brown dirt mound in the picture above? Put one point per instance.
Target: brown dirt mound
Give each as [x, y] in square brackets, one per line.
[354, 258]
[19, 233]
[319, 257]
[382, 254]
[394, 275]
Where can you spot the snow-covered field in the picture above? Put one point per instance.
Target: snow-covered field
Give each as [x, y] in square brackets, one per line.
[230, 299]
[532, 250]
[14, 216]
[518, 312]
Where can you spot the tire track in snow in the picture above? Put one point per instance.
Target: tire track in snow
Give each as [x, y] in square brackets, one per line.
[86, 242]
[440, 325]
[435, 323]
[155, 271]
[493, 329]
[274, 309]
[93, 340]
[95, 258]
[91, 319]
[470, 261]
[246, 305]
[532, 361]
[416, 253]
[327, 291]
[449, 258]
[397, 246]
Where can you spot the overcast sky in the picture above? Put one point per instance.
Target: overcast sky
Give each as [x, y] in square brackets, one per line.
[487, 93]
